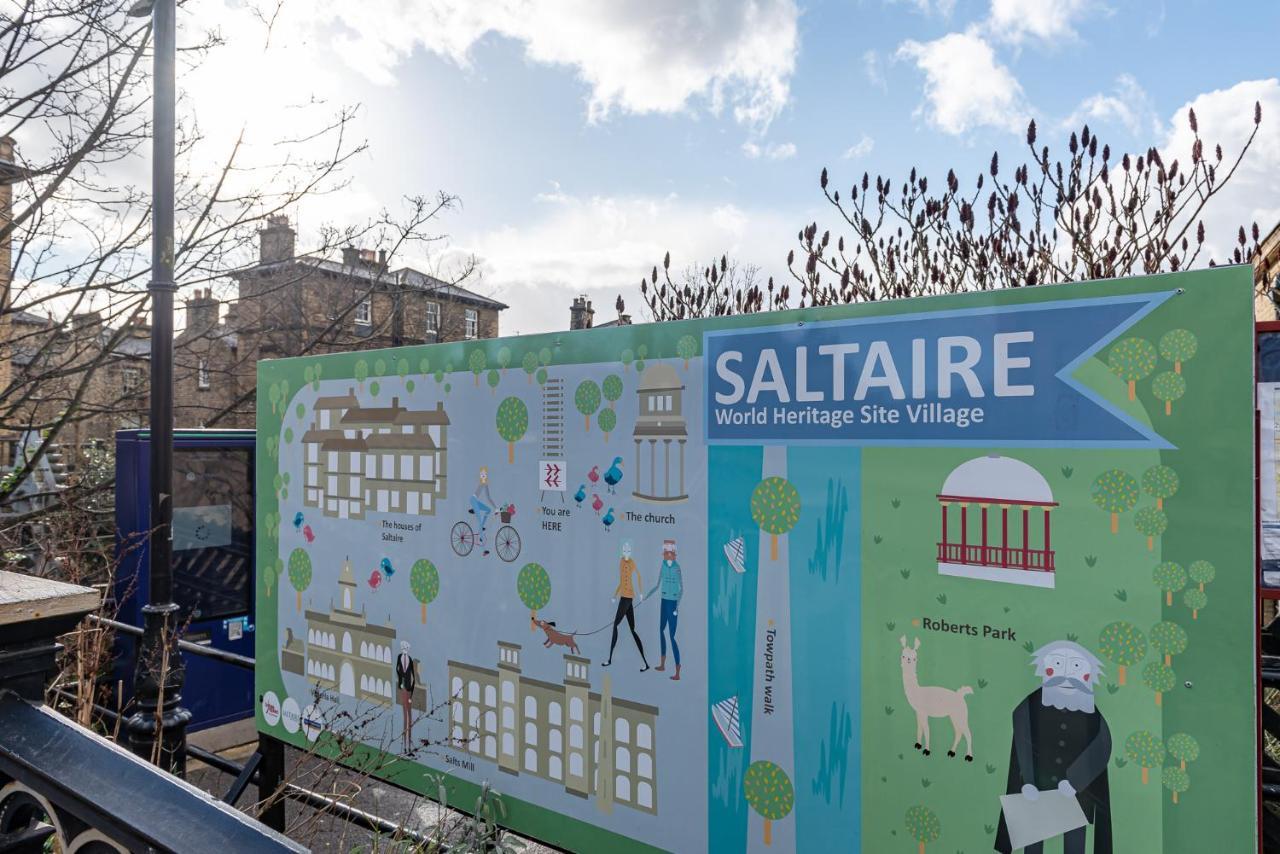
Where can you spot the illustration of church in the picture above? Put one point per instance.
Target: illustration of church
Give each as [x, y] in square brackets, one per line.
[385, 458]
[977, 499]
[347, 654]
[660, 424]
[591, 743]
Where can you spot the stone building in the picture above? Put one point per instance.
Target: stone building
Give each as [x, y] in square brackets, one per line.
[591, 743]
[1266, 276]
[389, 459]
[347, 654]
[659, 425]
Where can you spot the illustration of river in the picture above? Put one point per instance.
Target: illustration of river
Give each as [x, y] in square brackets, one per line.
[824, 557]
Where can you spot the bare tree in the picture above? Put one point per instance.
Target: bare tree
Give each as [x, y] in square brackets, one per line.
[1088, 214]
[722, 287]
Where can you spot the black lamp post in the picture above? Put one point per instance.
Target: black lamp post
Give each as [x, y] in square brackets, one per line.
[157, 731]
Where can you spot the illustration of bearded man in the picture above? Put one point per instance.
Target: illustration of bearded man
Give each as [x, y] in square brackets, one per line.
[1061, 747]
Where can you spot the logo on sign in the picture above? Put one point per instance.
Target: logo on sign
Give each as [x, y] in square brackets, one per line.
[291, 714]
[271, 708]
[312, 722]
[551, 475]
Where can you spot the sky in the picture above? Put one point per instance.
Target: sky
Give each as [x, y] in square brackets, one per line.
[586, 138]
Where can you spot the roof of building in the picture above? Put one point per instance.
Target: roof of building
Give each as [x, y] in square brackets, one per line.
[338, 401]
[659, 377]
[400, 441]
[997, 479]
[403, 276]
[394, 414]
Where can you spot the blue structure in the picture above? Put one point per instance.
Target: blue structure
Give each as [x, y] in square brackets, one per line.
[213, 560]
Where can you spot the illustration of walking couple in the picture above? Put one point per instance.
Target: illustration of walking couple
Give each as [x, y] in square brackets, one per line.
[670, 587]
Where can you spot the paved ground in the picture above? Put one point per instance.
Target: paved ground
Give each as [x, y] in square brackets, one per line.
[323, 832]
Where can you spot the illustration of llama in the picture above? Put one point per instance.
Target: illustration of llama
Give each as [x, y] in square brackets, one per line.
[935, 702]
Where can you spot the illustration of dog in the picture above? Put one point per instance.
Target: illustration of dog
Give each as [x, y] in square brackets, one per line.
[557, 638]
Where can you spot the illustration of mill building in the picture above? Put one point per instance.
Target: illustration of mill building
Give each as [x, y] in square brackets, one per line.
[593, 744]
[347, 654]
[659, 425]
[359, 458]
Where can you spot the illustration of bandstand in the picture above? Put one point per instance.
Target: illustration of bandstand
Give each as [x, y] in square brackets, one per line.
[660, 421]
[592, 743]
[969, 548]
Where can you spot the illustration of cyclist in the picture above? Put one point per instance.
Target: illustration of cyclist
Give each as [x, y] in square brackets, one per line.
[482, 503]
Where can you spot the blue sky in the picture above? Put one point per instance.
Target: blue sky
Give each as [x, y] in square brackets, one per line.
[587, 138]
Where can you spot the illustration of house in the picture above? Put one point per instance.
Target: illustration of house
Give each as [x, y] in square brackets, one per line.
[971, 547]
[660, 422]
[345, 653]
[390, 459]
[591, 743]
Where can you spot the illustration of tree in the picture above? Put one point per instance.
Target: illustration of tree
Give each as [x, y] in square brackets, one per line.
[587, 399]
[769, 791]
[542, 376]
[1150, 522]
[299, 572]
[312, 375]
[775, 507]
[1170, 577]
[530, 365]
[439, 376]
[1131, 360]
[402, 370]
[380, 368]
[1202, 572]
[362, 372]
[612, 388]
[271, 574]
[1159, 677]
[1178, 346]
[273, 394]
[424, 583]
[641, 353]
[1196, 600]
[1160, 482]
[1176, 780]
[424, 367]
[1168, 639]
[493, 380]
[512, 421]
[308, 375]
[1184, 748]
[607, 419]
[409, 386]
[374, 388]
[544, 356]
[1124, 644]
[534, 586]
[1145, 751]
[300, 411]
[687, 348]
[628, 356]
[923, 825]
[504, 358]
[477, 362]
[1168, 387]
[1115, 491]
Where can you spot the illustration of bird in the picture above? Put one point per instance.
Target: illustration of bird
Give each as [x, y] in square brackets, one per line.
[309, 534]
[297, 520]
[608, 518]
[614, 474]
[581, 494]
[387, 568]
[594, 474]
[596, 503]
[375, 578]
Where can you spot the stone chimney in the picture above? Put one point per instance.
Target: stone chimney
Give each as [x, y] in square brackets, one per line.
[276, 242]
[202, 311]
[350, 256]
[581, 313]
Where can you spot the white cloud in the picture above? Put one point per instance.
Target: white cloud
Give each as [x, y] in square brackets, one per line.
[943, 8]
[638, 56]
[1127, 105]
[861, 148]
[772, 151]
[1225, 116]
[871, 67]
[966, 87]
[603, 246]
[1047, 20]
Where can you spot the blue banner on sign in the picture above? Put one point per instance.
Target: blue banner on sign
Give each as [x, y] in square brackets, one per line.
[989, 376]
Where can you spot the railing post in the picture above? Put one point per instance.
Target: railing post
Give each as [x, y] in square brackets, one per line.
[270, 779]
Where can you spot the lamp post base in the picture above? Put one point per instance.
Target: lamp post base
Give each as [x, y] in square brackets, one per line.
[157, 731]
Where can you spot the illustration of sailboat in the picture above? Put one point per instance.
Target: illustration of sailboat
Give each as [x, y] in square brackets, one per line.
[736, 552]
[725, 714]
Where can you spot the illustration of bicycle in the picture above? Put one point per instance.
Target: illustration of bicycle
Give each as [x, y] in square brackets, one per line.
[506, 541]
